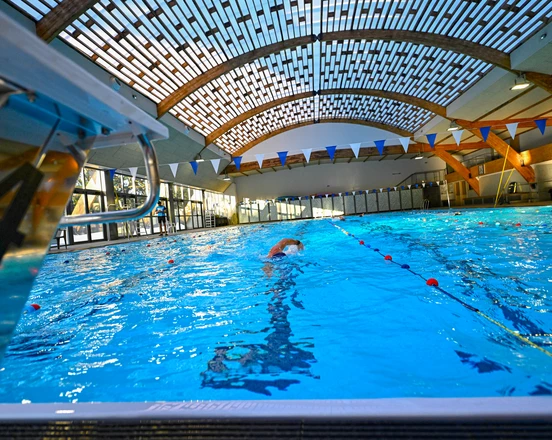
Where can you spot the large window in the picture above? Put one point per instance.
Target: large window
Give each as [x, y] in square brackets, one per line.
[88, 197]
[186, 212]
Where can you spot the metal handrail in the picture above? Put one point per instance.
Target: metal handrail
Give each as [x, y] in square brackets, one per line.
[152, 173]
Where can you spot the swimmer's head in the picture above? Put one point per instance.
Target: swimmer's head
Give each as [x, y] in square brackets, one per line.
[298, 246]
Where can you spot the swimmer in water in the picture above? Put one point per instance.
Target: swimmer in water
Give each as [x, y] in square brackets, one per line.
[278, 249]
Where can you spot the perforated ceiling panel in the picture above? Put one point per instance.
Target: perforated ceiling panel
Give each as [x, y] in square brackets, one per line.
[158, 46]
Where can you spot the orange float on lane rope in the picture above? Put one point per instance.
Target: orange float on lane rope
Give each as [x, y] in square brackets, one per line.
[432, 282]
[388, 257]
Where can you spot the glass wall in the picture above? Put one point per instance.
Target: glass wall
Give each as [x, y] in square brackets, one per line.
[88, 197]
[185, 212]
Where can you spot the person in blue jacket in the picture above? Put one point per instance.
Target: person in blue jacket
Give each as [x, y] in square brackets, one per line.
[161, 212]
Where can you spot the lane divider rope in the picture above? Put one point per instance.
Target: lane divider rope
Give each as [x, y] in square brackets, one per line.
[434, 283]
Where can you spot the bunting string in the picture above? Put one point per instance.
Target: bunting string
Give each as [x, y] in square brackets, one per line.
[355, 147]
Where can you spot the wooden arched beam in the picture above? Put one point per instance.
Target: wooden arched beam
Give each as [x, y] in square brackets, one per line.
[412, 100]
[390, 128]
[60, 17]
[474, 50]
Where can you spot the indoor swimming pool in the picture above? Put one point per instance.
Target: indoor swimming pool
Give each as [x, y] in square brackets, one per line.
[335, 321]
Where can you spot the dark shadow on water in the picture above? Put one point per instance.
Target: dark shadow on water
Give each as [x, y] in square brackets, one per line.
[256, 367]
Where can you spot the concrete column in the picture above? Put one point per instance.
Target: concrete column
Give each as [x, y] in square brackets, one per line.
[172, 205]
[112, 233]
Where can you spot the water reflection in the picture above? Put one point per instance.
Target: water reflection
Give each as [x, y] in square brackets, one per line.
[246, 366]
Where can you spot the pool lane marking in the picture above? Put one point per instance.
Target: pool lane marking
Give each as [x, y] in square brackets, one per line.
[450, 295]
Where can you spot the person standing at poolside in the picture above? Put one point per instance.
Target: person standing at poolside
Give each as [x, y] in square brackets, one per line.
[278, 249]
[161, 212]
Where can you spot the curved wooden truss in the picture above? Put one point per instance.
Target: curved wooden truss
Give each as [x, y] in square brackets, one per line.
[374, 124]
[412, 100]
[60, 17]
[474, 50]
[347, 153]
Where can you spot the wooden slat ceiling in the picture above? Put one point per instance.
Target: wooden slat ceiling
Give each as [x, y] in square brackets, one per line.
[158, 46]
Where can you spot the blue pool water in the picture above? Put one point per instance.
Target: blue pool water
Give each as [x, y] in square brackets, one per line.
[335, 321]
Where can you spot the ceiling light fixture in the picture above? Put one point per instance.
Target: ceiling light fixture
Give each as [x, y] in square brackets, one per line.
[453, 126]
[520, 83]
[543, 36]
[198, 158]
[419, 156]
[226, 177]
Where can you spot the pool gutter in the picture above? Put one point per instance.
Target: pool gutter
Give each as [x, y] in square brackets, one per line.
[414, 409]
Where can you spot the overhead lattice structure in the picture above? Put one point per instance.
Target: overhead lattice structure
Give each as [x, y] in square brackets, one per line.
[235, 70]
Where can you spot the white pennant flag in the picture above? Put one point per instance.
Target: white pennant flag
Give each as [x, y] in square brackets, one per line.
[457, 135]
[133, 171]
[395, 188]
[512, 128]
[409, 186]
[216, 164]
[307, 153]
[174, 168]
[381, 189]
[355, 148]
[423, 184]
[260, 158]
[404, 142]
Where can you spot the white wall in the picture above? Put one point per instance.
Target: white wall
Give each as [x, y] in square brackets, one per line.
[332, 178]
[320, 136]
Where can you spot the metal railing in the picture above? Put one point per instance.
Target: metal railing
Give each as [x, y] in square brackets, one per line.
[423, 176]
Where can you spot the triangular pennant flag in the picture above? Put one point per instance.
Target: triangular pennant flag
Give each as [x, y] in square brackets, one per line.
[307, 153]
[112, 173]
[356, 149]
[431, 139]
[457, 135]
[237, 162]
[541, 123]
[260, 158]
[133, 171]
[174, 168]
[216, 164]
[512, 129]
[404, 142]
[379, 146]
[485, 133]
[282, 155]
[331, 151]
[193, 163]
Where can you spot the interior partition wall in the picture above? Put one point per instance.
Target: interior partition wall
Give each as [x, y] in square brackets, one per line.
[331, 205]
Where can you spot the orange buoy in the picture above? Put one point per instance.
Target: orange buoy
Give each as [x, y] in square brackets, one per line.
[35, 306]
[388, 257]
[518, 224]
[108, 253]
[171, 261]
[361, 243]
[149, 245]
[480, 223]
[432, 282]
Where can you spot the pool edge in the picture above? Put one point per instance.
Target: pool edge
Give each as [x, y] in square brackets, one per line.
[415, 409]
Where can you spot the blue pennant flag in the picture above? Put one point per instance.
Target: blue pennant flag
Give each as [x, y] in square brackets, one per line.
[112, 173]
[379, 146]
[194, 166]
[331, 151]
[431, 139]
[283, 156]
[237, 162]
[402, 186]
[541, 123]
[485, 133]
